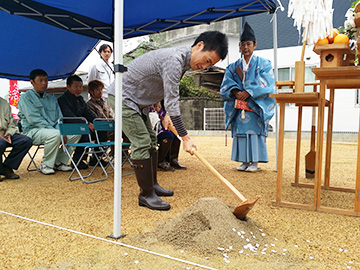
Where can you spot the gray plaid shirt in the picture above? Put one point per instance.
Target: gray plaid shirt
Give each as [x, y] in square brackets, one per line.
[155, 76]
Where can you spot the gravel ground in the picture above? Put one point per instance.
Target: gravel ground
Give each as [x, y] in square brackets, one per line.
[199, 232]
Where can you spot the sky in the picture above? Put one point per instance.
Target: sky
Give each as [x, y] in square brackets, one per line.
[129, 44]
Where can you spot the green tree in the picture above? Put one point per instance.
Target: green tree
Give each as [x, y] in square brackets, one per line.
[354, 3]
[188, 88]
[155, 42]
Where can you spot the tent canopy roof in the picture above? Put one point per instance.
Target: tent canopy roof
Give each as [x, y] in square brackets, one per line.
[57, 35]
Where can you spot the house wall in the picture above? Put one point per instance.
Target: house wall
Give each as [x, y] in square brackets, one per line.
[346, 111]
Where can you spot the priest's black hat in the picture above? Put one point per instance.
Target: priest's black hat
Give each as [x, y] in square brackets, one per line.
[248, 33]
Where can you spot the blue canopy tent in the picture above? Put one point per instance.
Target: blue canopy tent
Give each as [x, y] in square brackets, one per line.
[32, 27]
[57, 35]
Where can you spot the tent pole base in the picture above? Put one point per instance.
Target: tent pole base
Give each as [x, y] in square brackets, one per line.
[116, 237]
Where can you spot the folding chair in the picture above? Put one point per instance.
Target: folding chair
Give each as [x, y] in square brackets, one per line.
[125, 150]
[80, 126]
[31, 156]
[104, 125]
[7, 151]
[125, 147]
[108, 124]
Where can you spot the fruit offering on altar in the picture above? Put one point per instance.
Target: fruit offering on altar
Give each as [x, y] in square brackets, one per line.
[334, 50]
[335, 38]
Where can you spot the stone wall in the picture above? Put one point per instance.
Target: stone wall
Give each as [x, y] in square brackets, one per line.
[192, 110]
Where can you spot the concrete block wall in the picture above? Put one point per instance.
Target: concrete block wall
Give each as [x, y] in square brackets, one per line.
[192, 110]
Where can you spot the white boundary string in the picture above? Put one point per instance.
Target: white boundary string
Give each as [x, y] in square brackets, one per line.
[110, 241]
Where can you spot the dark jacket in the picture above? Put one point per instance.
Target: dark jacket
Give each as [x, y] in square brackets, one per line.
[72, 106]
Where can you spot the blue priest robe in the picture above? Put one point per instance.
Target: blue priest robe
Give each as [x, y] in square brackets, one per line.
[249, 134]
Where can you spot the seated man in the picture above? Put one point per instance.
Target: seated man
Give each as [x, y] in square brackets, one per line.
[72, 104]
[39, 113]
[9, 137]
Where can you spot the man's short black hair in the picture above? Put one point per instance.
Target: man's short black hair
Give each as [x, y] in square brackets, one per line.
[104, 47]
[214, 41]
[73, 78]
[37, 72]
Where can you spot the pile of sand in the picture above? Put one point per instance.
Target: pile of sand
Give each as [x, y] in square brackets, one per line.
[210, 226]
[207, 225]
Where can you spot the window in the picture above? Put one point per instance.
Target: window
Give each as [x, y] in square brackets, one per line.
[288, 74]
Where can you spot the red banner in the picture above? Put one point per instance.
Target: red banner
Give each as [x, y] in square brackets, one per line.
[14, 96]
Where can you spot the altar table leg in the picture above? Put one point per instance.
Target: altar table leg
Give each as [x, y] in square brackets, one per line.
[329, 139]
[298, 145]
[319, 146]
[280, 153]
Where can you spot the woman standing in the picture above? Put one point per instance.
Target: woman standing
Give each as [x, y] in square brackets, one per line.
[102, 70]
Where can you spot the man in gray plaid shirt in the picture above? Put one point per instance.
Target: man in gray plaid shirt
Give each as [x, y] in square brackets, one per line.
[153, 77]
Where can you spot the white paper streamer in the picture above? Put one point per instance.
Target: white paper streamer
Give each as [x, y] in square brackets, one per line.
[314, 17]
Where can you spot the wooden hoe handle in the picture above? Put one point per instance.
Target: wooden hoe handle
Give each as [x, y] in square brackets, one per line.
[225, 182]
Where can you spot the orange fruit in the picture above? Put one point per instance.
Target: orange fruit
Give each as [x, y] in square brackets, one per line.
[335, 33]
[341, 38]
[322, 41]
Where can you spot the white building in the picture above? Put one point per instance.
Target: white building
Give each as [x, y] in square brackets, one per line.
[346, 107]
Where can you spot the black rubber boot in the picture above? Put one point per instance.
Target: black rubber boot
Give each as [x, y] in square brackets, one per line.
[174, 154]
[163, 151]
[158, 189]
[147, 197]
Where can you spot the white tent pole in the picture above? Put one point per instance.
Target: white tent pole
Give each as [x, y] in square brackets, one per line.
[276, 77]
[118, 60]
